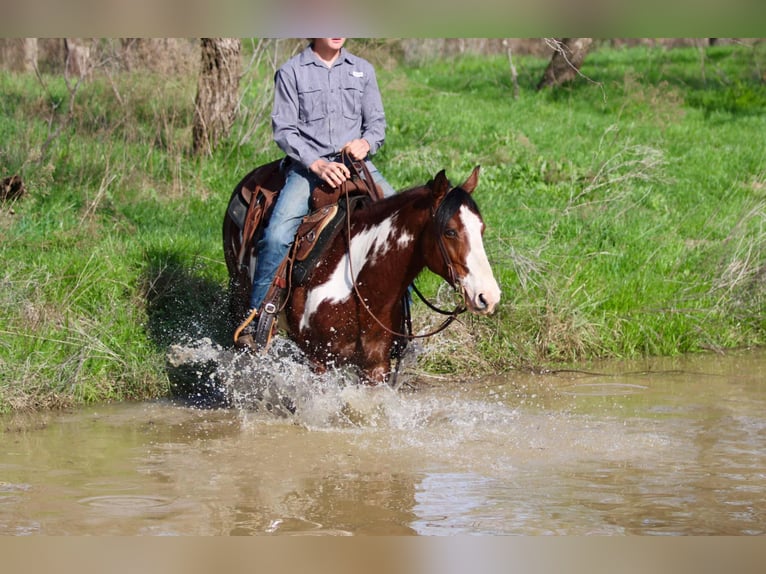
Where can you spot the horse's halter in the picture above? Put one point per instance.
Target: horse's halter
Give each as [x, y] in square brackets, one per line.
[452, 277]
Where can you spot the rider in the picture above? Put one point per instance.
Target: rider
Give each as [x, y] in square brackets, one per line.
[326, 101]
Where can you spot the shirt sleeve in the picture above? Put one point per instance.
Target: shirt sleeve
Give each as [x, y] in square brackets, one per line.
[284, 119]
[373, 117]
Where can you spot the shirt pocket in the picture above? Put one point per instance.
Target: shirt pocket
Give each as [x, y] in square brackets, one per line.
[352, 97]
[311, 104]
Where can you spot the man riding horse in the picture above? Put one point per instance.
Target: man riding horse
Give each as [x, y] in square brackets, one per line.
[326, 103]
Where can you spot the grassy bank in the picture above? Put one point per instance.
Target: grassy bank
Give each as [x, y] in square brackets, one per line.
[625, 213]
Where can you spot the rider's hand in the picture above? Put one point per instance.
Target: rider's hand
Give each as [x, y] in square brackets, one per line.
[332, 172]
[357, 149]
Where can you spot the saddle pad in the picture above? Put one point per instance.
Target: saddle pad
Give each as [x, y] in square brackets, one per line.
[314, 247]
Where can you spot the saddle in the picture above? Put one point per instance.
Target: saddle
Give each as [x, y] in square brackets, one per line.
[251, 205]
[317, 229]
[316, 232]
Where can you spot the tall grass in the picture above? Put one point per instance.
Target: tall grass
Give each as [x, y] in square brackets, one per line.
[625, 213]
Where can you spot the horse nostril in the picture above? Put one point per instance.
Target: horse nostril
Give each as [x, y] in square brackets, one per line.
[482, 301]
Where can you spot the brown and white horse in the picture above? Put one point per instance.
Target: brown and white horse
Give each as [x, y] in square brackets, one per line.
[391, 241]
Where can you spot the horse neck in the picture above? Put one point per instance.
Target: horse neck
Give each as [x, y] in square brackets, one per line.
[402, 219]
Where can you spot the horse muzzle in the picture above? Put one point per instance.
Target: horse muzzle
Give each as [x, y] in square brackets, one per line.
[482, 299]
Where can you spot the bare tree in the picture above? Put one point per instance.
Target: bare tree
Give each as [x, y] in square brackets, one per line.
[18, 54]
[78, 59]
[217, 89]
[568, 56]
[30, 54]
[514, 73]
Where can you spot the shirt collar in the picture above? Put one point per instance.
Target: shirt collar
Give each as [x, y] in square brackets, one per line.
[307, 57]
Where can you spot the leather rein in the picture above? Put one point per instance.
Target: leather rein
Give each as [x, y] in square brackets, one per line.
[451, 315]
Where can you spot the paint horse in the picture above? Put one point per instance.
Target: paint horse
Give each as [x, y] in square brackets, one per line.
[350, 309]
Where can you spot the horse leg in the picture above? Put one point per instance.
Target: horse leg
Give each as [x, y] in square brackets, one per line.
[376, 375]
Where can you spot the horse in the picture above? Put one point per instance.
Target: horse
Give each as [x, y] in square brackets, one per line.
[350, 308]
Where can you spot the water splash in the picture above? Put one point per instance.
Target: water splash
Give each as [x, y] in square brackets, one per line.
[281, 384]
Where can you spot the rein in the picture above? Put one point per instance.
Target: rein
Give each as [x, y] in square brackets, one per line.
[452, 315]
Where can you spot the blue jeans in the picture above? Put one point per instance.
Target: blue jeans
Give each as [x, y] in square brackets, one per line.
[291, 206]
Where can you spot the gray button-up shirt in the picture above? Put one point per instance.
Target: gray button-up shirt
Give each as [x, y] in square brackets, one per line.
[317, 110]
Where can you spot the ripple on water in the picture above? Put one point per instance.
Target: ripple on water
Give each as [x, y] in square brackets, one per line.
[128, 504]
[602, 389]
[10, 487]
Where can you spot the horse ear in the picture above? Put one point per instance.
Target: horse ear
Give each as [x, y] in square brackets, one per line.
[473, 180]
[439, 185]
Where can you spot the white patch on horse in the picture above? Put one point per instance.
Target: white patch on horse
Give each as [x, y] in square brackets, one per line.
[404, 240]
[366, 246]
[481, 288]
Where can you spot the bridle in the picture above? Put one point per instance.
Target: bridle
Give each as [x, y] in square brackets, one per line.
[452, 276]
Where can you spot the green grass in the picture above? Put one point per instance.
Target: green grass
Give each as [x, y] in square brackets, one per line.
[613, 206]
[625, 213]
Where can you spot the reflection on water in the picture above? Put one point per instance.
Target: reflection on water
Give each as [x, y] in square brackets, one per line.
[650, 447]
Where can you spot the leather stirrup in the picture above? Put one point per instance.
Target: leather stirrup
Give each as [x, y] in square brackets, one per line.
[272, 306]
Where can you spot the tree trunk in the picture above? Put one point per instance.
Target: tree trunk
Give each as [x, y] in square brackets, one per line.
[30, 54]
[77, 57]
[18, 54]
[568, 56]
[217, 92]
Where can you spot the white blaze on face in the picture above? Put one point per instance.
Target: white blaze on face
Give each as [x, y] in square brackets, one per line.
[366, 247]
[482, 292]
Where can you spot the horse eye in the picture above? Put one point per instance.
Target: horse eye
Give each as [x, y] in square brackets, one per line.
[451, 233]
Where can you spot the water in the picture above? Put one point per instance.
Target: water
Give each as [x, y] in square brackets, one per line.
[649, 447]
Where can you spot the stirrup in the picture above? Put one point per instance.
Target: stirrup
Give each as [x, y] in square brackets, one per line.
[265, 328]
[270, 308]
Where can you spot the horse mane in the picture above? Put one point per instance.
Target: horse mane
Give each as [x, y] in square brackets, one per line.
[420, 198]
[455, 198]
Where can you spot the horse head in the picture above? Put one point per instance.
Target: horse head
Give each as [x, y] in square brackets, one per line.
[459, 256]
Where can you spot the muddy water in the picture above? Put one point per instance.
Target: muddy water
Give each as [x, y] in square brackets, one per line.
[649, 447]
